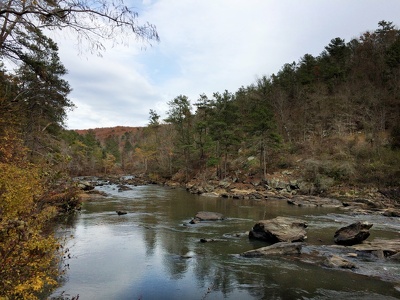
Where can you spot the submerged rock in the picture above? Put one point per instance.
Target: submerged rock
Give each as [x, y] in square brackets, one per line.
[364, 259]
[208, 216]
[279, 229]
[335, 261]
[353, 234]
[187, 255]
[282, 248]
[391, 212]
[203, 240]
[380, 248]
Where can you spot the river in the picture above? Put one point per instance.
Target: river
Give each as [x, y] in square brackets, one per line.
[152, 253]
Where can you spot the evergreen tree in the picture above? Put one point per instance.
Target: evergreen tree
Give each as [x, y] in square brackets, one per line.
[224, 128]
[180, 116]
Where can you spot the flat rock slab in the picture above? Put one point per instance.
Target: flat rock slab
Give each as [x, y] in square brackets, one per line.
[312, 201]
[388, 248]
[282, 248]
[279, 229]
[208, 216]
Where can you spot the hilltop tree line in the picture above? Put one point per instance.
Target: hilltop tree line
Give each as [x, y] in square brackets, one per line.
[335, 117]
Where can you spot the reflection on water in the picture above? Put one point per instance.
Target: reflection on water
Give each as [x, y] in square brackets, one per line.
[151, 252]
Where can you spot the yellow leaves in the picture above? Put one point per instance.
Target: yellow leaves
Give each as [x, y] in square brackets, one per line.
[18, 187]
[144, 153]
[36, 284]
[27, 254]
[109, 162]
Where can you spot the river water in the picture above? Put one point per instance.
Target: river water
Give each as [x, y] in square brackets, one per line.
[152, 253]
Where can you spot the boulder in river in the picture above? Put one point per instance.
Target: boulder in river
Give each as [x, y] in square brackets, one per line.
[279, 229]
[353, 234]
[282, 248]
[122, 188]
[85, 185]
[207, 216]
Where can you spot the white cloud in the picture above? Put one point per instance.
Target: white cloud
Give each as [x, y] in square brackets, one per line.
[208, 46]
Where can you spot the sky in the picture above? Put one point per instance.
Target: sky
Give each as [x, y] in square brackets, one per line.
[205, 46]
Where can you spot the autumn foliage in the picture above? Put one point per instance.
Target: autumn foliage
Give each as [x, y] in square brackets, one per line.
[27, 248]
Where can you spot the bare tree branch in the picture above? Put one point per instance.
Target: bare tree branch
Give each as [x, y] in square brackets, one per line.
[93, 21]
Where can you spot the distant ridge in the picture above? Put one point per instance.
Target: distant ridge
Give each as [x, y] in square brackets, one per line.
[105, 132]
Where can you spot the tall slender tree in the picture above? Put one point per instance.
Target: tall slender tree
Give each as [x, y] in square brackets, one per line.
[181, 117]
[261, 125]
[224, 128]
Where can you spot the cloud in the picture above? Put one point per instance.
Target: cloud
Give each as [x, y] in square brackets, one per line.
[108, 91]
[207, 46]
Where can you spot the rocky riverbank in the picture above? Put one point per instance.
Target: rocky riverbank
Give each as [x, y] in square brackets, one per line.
[294, 191]
[278, 186]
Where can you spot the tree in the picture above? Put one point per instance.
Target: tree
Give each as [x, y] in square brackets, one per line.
[112, 146]
[286, 78]
[224, 128]
[181, 117]
[127, 151]
[154, 126]
[261, 124]
[154, 118]
[386, 33]
[44, 102]
[108, 162]
[145, 155]
[307, 70]
[335, 60]
[203, 111]
[92, 21]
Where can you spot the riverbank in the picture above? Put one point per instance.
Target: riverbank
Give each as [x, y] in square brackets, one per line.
[283, 185]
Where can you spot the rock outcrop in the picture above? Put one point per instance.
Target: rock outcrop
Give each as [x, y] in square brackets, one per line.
[353, 234]
[85, 185]
[312, 201]
[279, 229]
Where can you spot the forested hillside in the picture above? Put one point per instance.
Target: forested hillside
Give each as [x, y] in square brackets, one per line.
[332, 119]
